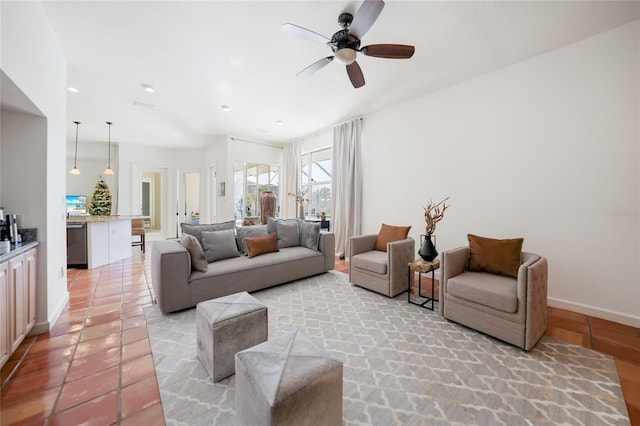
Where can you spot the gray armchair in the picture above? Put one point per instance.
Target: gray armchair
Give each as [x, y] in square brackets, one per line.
[380, 271]
[511, 309]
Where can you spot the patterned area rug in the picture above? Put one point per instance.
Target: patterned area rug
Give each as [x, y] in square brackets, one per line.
[403, 365]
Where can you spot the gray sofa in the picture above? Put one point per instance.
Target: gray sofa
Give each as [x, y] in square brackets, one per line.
[177, 286]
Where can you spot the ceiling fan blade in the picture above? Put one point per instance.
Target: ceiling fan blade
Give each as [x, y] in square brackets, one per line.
[365, 17]
[315, 67]
[355, 75]
[391, 51]
[304, 33]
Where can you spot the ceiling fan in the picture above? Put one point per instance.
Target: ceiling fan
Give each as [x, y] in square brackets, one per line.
[346, 43]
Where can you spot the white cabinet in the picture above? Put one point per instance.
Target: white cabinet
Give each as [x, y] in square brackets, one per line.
[5, 351]
[31, 265]
[17, 301]
[108, 241]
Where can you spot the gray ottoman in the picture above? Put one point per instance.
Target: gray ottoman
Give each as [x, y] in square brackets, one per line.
[288, 380]
[227, 325]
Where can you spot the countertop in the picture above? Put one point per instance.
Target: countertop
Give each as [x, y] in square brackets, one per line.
[89, 218]
[16, 249]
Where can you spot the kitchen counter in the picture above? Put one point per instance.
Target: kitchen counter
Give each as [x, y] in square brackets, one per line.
[89, 218]
[108, 238]
[16, 249]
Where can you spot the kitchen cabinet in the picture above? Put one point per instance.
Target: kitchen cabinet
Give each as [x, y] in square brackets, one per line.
[4, 313]
[17, 300]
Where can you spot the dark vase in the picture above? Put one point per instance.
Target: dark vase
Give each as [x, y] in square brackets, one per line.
[428, 250]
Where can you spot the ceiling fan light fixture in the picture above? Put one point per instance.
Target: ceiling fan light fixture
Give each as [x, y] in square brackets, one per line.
[345, 56]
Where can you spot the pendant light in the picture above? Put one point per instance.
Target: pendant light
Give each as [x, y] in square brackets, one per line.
[75, 170]
[108, 170]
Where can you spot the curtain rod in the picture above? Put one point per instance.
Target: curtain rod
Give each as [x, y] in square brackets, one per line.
[325, 130]
[257, 143]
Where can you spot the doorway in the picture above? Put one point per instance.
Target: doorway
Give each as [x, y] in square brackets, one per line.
[151, 200]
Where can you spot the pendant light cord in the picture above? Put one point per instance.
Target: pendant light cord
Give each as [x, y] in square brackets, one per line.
[75, 157]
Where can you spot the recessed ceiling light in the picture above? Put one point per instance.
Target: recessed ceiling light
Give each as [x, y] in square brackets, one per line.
[279, 122]
[72, 89]
[148, 88]
[225, 107]
[143, 104]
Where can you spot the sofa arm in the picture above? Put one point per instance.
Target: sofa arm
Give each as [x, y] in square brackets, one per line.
[362, 243]
[327, 245]
[170, 272]
[400, 254]
[536, 305]
[452, 263]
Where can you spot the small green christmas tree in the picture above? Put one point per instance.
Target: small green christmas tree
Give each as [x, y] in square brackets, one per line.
[100, 204]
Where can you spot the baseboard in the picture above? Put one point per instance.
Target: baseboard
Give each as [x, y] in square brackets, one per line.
[54, 318]
[45, 326]
[39, 328]
[631, 320]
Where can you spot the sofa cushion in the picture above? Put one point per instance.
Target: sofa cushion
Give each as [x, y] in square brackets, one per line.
[389, 234]
[287, 234]
[249, 232]
[502, 257]
[260, 245]
[374, 261]
[310, 234]
[196, 230]
[219, 245]
[198, 259]
[496, 291]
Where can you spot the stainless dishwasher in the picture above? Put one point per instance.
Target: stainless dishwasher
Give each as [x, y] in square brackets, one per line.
[77, 244]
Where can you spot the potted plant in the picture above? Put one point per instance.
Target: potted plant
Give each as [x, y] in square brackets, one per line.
[433, 213]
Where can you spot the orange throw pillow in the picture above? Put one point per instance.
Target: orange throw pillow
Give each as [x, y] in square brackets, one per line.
[389, 234]
[261, 245]
[502, 257]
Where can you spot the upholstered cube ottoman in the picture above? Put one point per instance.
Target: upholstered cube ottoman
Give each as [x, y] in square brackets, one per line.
[227, 325]
[288, 380]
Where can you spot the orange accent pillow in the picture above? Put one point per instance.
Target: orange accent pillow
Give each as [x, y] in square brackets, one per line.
[389, 234]
[502, 257]
[261, 245]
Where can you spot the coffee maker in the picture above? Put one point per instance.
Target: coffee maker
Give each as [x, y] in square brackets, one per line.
[8, 226]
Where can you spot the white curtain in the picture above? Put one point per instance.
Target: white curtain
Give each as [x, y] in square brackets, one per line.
[346, 184]
[291, 172]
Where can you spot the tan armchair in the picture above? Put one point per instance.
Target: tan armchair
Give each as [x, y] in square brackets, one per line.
[511, 309]
[380, 271]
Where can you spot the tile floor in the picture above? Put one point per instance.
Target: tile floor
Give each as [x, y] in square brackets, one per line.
[95, 366]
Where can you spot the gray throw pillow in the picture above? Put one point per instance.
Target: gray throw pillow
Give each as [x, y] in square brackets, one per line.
[197, 230]
[219, 245]
[271, 225]
[250, 232]
[310, 234]
[287, 232]
[198, 260]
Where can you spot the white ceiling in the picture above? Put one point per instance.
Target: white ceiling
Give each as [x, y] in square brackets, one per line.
[204, 54]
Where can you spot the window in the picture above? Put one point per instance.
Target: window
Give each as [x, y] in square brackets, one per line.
[249, 180]
[316, 181]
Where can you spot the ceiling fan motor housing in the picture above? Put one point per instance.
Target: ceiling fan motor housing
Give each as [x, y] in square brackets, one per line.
[342, 39]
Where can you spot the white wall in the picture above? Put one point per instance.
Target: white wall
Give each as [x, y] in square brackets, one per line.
[33, 60]
[132, 161]
[544, 149]
[220, 153]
